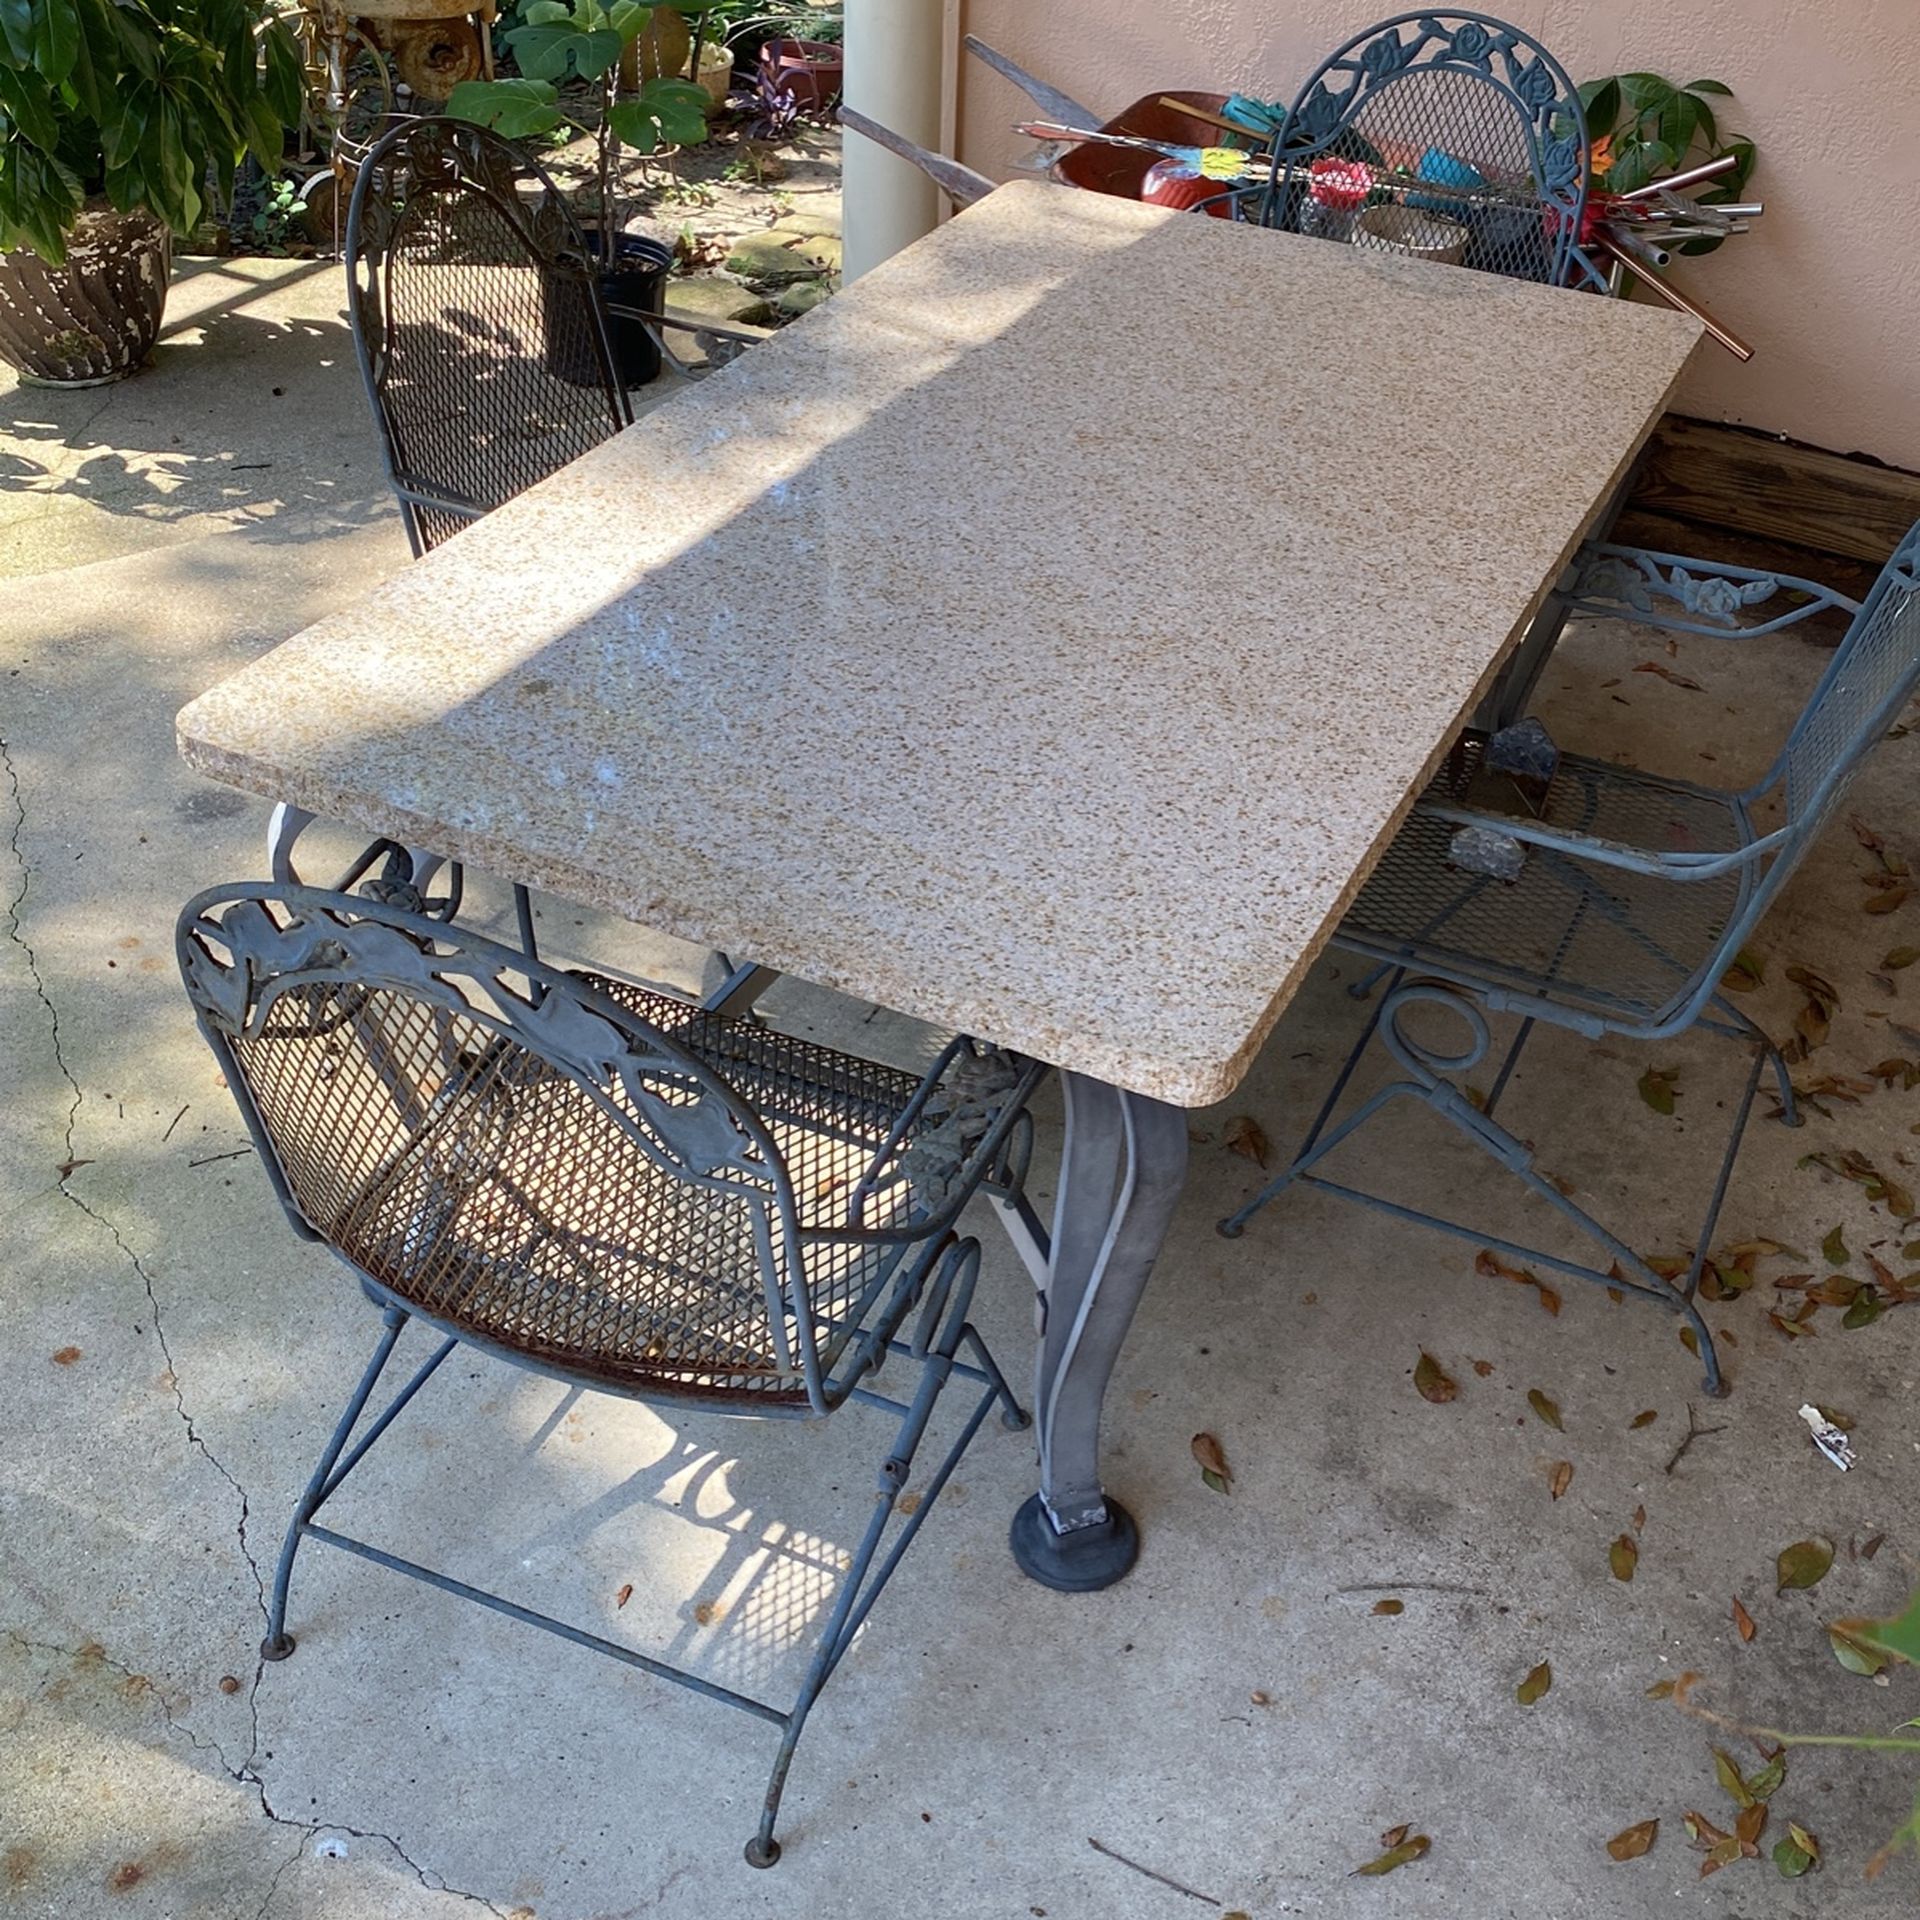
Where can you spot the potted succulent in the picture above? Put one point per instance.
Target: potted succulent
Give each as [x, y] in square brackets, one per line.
[583, 65]
[112, 115]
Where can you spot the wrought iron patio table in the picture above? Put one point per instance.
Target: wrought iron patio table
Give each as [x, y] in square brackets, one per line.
[1041, 639]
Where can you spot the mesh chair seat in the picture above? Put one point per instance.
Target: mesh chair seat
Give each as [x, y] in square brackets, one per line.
[514, 1212]
[1621, 945]
[616, 1186]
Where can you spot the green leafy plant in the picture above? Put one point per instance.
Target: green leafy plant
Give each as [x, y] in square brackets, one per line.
[134, 101]
[1643, 127]
[1866, 1647]
[573, 74]
[285, 203]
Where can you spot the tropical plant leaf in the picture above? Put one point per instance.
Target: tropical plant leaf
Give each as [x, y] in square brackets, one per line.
[517, 109]
[1898, 1637]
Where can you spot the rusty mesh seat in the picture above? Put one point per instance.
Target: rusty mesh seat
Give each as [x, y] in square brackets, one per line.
[611, 1185]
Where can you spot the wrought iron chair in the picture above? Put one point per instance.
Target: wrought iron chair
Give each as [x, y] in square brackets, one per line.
[613, 1187]
[1469, 131]
[478, 323]
[1626, 898]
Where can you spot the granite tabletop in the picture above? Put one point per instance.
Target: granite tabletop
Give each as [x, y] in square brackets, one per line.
[1040, 638]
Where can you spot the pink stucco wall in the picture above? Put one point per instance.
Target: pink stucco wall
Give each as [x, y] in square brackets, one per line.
[1826, 287]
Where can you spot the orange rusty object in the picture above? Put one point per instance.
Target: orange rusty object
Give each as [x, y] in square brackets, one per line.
[1122, 171]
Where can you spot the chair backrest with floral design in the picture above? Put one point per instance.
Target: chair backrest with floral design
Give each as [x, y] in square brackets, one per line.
[1445, 133]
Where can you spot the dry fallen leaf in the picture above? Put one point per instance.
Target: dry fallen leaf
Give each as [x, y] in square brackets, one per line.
[66, 1356]
[1483, 1368]
[1389, 1606]
[1804, 1564]
[1733, 1782]
[1667, 673]
[1403, 1855]
[1657, 1088]
[1796, 1853]
[1742, 1619]
[1244, 1137]
[66, 1167]
[1559, 1477]
[1433, 1381]
[1644, 1419]
[1394, 1835]
[1213, 1462]
[1623, 1556]
[1631, 1842]
[1260, 1697]
[625, 1594]
[1548, 1410]
[1535, 1685]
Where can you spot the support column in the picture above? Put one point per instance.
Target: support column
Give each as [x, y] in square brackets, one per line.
[893, 74]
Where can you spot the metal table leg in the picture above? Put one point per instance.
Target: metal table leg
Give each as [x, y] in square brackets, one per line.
[1123, 1166]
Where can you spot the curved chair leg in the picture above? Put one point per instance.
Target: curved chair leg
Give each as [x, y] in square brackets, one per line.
[1426, 1079]
[279, 1642]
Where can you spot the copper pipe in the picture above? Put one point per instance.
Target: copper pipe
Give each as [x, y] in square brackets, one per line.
[1674, 297]
[1692, 177]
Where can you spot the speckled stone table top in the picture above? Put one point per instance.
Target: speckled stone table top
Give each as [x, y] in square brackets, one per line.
[1039, 638]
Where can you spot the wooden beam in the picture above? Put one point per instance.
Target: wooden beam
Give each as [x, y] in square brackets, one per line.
[1755, 483]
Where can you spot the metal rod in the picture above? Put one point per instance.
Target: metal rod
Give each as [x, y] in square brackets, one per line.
[546, 1623]
[1650, 252]
[1707, 170]
[1062, 105]
[1675, 298]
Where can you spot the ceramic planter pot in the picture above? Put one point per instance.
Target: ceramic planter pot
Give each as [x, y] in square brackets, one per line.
[813, 71]
[95, 319]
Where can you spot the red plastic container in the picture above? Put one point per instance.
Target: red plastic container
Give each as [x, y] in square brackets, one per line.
[1121, 170]
[1172, 183]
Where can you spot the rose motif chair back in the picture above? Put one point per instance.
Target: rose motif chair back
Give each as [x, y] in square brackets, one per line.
[1446, 135]
[616, 1187]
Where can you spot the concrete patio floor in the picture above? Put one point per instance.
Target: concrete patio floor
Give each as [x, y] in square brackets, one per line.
[1235, 1725]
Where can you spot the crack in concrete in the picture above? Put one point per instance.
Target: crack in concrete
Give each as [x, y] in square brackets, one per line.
[17, 934]
[246, 1774]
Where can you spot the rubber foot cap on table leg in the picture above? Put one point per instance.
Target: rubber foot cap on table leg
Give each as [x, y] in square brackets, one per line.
[277, 1649]
[1082, 1561]
[759, 1855]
